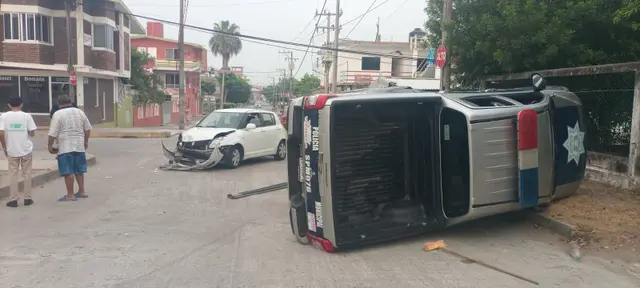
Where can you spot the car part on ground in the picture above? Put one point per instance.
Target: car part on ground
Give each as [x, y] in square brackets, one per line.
[266, 189]
[178, 162]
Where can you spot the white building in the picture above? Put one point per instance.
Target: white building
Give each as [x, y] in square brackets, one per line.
[402, 60]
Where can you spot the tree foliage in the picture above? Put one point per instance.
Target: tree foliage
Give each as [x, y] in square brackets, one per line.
[207, 86]
[489, 37]
[145, 85]
[237, 89]
[225, 44]
[303, 87]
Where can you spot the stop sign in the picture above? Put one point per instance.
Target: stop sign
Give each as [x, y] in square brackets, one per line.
[441, 56]
[73, 80]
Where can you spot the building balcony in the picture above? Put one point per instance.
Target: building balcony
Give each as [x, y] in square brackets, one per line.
[368, 77]
[173, 65]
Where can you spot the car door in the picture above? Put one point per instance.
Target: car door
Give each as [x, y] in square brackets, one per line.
[253, 139]
[272, 131]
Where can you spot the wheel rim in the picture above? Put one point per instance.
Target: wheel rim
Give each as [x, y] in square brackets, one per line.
[235, 158]
[281, 151]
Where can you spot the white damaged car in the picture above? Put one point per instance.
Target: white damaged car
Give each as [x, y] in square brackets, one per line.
[228, 136]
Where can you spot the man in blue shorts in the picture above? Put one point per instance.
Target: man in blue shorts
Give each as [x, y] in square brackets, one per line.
[71, 127]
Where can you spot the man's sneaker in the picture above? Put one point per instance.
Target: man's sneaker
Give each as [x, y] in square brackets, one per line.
[28, 202]
[13, 203]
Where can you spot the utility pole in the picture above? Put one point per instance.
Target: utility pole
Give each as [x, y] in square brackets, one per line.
[336, 39]
[275, 91]
[291, 62]
[181, 76]
[68, 5]
[445, 76]
[325, 61]
[222, 90]
[283, 76]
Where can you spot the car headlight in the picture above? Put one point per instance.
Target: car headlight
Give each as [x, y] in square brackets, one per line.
[215, 143]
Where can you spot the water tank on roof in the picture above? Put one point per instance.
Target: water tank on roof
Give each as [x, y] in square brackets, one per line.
[417, 32]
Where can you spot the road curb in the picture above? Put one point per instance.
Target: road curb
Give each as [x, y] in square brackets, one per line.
[123, 134]
[563, 229]
[42, 178]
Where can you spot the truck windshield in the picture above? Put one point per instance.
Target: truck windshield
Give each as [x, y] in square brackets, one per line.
[221, 120]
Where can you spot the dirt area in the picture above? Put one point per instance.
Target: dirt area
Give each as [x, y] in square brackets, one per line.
[607, 219]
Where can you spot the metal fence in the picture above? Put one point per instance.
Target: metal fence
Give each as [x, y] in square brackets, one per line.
[611, 97]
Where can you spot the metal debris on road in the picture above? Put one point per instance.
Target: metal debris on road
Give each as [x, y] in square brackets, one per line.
[267, 189]
[439, 245]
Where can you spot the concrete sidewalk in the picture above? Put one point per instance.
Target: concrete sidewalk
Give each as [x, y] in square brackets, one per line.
[166, 131]
[45, 169]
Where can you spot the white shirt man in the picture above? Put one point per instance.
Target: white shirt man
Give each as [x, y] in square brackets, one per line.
[17, 128]
[71, 127]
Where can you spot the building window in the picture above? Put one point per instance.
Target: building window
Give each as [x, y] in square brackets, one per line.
[171, 54]
[27, 27]
[126, 21]
[103, 36]
[370, 63]
[34, 91]
[171, 80]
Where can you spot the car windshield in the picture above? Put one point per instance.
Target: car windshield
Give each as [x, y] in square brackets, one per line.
[221, 120]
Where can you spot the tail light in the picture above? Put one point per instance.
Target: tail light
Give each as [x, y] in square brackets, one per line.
[528, 157]
[316, 102]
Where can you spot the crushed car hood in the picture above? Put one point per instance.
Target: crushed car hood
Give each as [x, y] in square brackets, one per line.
[203, 133]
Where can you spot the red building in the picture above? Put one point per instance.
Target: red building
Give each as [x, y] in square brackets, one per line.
[165, 65]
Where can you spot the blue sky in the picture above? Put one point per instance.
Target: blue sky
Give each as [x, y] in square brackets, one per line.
[282, 20]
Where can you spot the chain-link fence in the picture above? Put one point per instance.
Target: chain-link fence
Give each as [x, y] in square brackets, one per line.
[608, 107]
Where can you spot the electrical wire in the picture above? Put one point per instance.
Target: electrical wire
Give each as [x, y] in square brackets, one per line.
[319, 54]
[396, 10]
[202, 5]
[209, 30]
[360, 20]
[358, 17]
[310, 41]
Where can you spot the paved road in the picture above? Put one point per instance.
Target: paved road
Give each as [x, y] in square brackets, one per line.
[147, 228]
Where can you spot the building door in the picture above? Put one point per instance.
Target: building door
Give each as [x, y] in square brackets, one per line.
[166, 112]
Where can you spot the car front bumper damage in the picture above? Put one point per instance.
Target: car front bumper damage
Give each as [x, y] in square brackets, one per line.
[186, 159]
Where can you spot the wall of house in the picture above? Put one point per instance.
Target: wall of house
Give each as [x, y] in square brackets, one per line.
[147, 116]
[191, 53]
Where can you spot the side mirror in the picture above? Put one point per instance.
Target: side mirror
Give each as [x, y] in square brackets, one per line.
[250, 126]
[538, 82]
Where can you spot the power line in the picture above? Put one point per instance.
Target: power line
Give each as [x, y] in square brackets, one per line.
[310, 39]
[209, 30]
[305, 28]
[361, 17]
[358, 17]
[396, 10]
[202, 5]
[316, 53]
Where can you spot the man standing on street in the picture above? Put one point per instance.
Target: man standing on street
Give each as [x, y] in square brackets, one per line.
[16, 128]
[71, 127]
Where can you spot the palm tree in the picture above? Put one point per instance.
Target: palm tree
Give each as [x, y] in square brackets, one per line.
[225, 44]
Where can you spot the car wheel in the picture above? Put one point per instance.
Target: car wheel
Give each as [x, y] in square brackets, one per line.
[281, 152]
[234, 157]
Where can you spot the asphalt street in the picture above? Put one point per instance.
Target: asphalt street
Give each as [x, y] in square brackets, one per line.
[142, 227]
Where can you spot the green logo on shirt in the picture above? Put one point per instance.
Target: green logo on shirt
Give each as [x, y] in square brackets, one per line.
[16, 127]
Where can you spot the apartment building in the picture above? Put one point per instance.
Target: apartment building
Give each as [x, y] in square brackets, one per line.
[390, 60]
[165, 64]
[34, 51]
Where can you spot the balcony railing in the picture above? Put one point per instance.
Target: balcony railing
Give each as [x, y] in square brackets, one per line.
[367, 77]
[174, 64]
[172, 86]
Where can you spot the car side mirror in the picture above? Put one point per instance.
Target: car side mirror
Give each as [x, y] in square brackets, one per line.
[250, 126]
